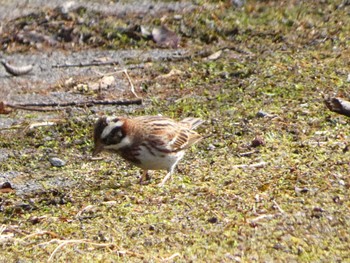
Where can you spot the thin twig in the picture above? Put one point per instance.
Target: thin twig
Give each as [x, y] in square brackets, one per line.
[256, 219]
[131, 85]
[15, 230]
[2, 229]
[278, 207]
[85, 209]
[41, 233]
[90, 64]
[171, 257]
[247, 153]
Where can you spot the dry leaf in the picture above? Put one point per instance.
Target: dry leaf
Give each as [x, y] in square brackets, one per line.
[3, 109]
[214, 56]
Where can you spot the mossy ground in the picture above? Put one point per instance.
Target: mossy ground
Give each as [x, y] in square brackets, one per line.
[278, 57]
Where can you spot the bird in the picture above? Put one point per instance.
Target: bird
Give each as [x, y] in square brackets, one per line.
[148, 142]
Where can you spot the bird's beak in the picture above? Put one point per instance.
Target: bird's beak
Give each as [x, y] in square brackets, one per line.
[98, 148]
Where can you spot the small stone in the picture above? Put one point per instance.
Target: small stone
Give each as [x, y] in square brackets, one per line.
[301, 190]
[215, 55]
[211, 147]
[23, 207]
[106, 82]
[177, 17]
[34, 220]
[5, 185]
[164, 37]
[336, 199]
[66, 7]
[257, 142]
[262, 114]
[48, 138]
[57, 162]
[213, 220]
[278, 246]
[69, 82]
[317, 212]
[238, 3]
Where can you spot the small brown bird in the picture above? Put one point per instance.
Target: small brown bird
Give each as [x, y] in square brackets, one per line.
[149, 142]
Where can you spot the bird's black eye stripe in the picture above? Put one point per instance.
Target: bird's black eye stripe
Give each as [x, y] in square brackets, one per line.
[104, 140]
[114, 136]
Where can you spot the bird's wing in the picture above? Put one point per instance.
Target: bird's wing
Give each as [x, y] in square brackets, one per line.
[166, 135]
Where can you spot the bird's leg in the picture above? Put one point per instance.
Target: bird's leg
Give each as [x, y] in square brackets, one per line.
[145, 177]
[166, 178]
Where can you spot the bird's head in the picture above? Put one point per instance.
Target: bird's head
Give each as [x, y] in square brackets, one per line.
[110, 134]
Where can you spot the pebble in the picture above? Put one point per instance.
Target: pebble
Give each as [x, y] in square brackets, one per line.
[262, 114]
[4, 185]
[257, 142]
[66, 7]
[238, 3]
[211, 147]
[177, 17]
[57, 162]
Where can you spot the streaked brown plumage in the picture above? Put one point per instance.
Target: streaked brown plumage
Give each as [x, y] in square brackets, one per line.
[149, 142]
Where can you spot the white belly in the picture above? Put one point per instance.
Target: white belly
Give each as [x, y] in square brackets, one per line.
[158, 161]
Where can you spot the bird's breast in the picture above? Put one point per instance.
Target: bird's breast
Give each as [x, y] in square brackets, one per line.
[149, 158]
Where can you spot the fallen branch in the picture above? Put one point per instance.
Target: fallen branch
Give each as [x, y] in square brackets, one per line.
[91, 64]
[338, 105]
[42, 106]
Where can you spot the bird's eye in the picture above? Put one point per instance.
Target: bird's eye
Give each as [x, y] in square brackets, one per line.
[114, 137]
[116, 132]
